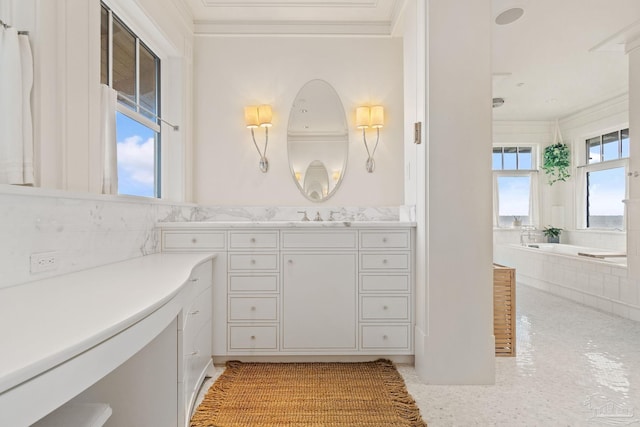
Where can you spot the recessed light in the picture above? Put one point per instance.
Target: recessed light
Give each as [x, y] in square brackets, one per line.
[509, 16]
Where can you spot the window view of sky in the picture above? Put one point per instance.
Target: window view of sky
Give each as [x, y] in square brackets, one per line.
[606, 192]
[513, 195]
[136, 147]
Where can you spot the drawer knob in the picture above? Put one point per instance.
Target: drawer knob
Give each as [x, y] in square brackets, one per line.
[194, 240]
[384, 261]
[253, 261]
[253, 337]
[384, 337]
[290, 261]
[384, 240]
[385, 307]
[253, 240]
[195, 279]
[195, 312]
[253, 309]
[193, 353]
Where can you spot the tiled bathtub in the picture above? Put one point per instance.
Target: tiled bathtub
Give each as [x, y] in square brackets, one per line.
[599, 283]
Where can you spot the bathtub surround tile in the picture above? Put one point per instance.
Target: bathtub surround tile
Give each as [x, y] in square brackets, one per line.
[593, 282]
[596, 283]
[629, 291]
[621, 310]
[611, 286]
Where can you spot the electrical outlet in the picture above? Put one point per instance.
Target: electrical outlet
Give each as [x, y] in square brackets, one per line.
[44, 261]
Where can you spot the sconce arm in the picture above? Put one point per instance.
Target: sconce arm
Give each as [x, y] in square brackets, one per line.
[253, 137]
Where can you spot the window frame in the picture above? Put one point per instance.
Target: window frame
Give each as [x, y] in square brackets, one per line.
[582, 190]
[534, 156]
[533, 173]
[132, 109]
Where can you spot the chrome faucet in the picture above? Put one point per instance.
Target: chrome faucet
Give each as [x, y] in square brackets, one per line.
[331, 218]
[318, 217]
[304, 217]
[527, 230]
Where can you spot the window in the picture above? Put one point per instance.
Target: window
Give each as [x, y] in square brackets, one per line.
[605, 180]
[514, 185]
[132, 69]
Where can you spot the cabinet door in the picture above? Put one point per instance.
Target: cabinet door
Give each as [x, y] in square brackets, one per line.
[319, 301]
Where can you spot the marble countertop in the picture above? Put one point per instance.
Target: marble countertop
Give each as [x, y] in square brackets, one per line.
[286, 224]
[47, 322]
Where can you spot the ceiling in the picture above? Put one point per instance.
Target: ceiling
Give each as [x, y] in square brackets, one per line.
[560, 57]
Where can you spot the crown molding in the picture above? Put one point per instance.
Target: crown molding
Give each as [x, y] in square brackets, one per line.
[312, 28]
[290, 3]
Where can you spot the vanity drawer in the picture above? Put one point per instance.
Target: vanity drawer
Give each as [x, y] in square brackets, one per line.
[193, 240]
[319, 240]
[253, 337]
[384, 239]
[201, 277]
[385, 337]
[384, 308]
[197, 316]
[253, 240]
[253, 262]
[384, 282]
[377, 261]
[253, 308]
[263, 283]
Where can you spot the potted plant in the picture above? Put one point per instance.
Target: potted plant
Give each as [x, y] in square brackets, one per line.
[553, 234]
[517, 222]
[556, 162]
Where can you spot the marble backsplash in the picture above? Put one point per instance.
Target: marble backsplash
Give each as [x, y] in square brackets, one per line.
[84, 231]
[260, 214]
[87, 231]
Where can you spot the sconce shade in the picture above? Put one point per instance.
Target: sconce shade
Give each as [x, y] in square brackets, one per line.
[251, 116]
[264, 115]
[362, 117]
[377, 116]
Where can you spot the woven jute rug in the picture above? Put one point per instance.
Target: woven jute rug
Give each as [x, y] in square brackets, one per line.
[371, 394]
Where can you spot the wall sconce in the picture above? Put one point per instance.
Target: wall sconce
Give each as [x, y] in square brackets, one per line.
[370, 117]
[259, 116]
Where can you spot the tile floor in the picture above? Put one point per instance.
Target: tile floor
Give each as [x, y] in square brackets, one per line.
[575, 366]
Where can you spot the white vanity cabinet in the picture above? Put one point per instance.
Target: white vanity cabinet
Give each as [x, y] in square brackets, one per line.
[196, 334]
[306, 290]
[386, 303]
[253, 294]
[319, 292]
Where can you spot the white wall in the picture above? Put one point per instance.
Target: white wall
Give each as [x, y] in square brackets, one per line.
[233, 72]
[455, 345]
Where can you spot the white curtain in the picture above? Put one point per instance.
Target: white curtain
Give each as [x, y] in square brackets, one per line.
[534, 199]
[109, 98]
[16, 131]
[496, 201]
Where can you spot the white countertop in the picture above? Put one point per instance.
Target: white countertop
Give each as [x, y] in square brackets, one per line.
[46, 322]
[286, 224]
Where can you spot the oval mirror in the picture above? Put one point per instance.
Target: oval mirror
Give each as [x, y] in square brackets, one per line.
[317, 140]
